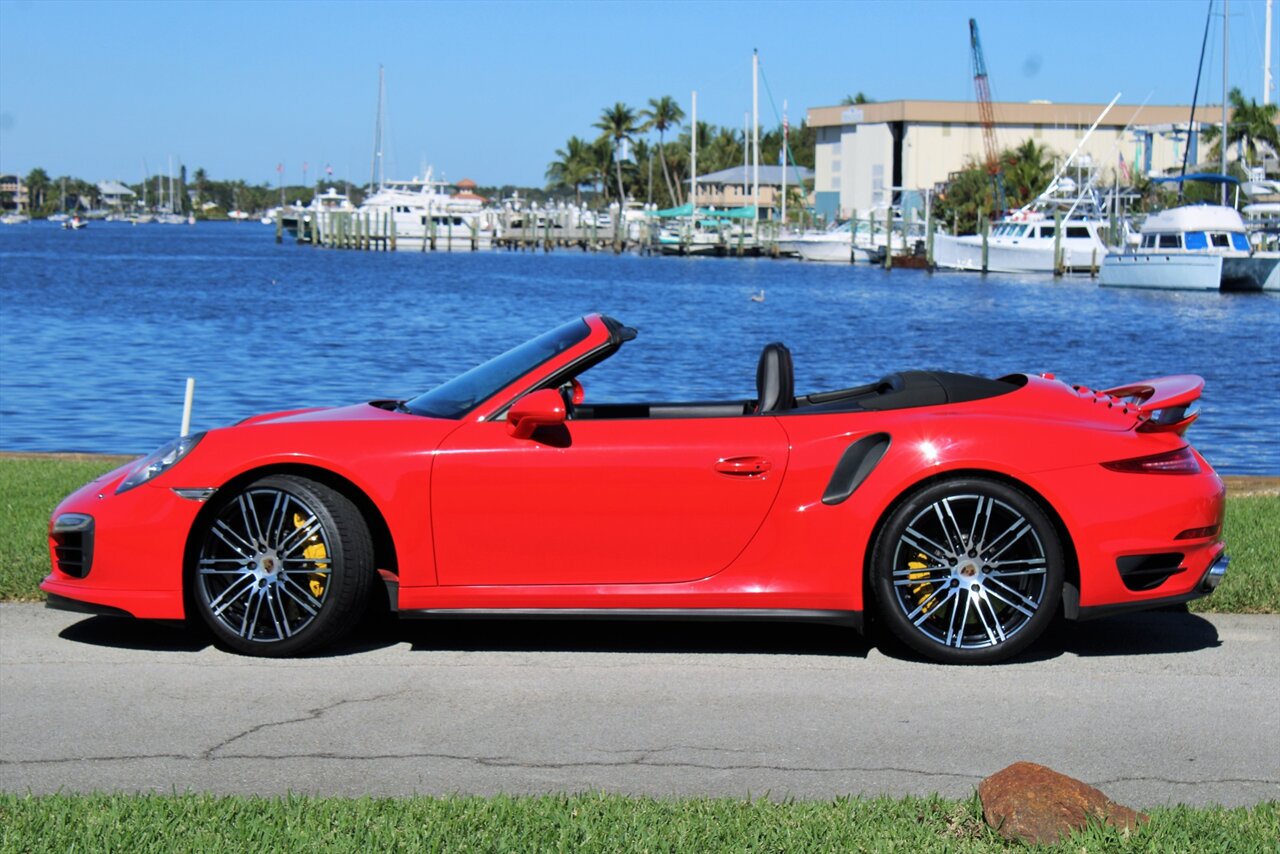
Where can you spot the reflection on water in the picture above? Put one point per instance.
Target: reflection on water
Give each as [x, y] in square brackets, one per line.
[102, 326]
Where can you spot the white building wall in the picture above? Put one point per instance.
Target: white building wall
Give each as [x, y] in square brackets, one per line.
[856, 159]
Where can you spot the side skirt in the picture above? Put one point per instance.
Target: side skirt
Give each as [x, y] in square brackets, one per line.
[851, 619]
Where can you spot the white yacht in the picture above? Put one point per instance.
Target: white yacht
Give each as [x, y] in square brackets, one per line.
[421, 210]
[1026, 240]
[1193, 247]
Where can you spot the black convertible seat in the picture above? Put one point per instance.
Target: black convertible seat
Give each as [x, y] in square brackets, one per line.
[775, 380]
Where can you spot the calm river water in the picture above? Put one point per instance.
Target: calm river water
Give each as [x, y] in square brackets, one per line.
[101, 327]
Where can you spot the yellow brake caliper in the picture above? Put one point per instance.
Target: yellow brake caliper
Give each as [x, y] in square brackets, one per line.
[314, 552]
[922, 590]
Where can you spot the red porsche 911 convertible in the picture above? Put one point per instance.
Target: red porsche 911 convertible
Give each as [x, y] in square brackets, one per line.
[963, 513]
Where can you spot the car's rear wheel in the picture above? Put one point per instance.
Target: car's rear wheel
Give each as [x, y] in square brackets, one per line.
[282, 567]
[967, 571]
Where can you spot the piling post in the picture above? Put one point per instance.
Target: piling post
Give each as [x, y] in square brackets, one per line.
[1058, 267]
[985, 226]
[888, 239]
[391, 220]
[1093, 264]
[279, 226]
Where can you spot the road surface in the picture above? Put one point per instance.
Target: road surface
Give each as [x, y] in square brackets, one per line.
[1155, 708]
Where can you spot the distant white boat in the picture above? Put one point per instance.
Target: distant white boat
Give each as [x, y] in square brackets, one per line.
[1196, 248]
[238, 215]
[75, 223]
[14, 218]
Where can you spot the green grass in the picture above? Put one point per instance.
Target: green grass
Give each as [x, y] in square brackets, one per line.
[1252, 585]
[578, 823]
[30, 487]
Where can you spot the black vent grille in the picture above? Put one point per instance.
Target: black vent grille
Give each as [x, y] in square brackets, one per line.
[73, 552]
[1147, 572]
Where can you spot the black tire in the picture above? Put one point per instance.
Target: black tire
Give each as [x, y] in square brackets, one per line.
[967, 571]
[282, 567]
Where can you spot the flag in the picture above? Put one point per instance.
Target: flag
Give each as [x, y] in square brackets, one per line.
[328, 170]
[280, 168]
[1124, 168]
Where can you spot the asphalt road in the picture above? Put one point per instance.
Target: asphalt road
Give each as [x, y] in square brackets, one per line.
[1153, 708]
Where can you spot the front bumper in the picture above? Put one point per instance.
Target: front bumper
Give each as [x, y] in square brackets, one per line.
[129, 554]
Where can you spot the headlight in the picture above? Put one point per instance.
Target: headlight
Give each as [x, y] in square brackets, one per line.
[162, 460]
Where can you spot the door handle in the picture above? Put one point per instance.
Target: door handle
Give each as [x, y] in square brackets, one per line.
[743, 466]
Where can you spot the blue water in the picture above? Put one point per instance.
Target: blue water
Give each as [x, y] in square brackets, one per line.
[100, 328]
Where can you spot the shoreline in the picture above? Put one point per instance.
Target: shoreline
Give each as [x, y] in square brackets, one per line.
[1237, 484]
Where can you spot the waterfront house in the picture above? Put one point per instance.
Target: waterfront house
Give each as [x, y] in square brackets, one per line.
[115, 196]
[13, 194]
[731, 188]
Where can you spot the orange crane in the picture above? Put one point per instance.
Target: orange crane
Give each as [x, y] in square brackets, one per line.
[986, 115]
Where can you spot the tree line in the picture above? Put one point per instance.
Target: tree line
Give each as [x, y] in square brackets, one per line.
[626, 161]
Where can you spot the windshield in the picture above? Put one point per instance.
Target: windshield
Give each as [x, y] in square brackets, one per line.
[463, 393]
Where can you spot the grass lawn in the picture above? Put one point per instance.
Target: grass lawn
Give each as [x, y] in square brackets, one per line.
[32, 484]
[579, 823]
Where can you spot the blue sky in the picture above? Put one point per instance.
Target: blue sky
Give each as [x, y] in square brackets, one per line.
[489, 90]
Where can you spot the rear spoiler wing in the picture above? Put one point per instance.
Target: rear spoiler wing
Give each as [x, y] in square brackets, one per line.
[1162, 404]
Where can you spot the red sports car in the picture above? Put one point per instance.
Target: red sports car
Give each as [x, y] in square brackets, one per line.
[962, 512]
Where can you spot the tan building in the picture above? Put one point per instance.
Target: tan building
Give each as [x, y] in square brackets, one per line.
[865, 150]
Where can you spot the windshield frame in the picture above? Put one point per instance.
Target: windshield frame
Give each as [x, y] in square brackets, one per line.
[454, 399]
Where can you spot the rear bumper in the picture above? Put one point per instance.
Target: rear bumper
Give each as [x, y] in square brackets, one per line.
[1208, 582]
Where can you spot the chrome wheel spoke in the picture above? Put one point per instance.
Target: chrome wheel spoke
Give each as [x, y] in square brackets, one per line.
[925, 607]
[1014, 599]
[246, 580]
[938, 553]
[243, 547]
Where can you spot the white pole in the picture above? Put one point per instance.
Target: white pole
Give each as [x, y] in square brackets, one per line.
[186, 406]
[784, 162]
[1226, 23]
[755, 135]
[693, 158]
[746, 151]
[1266, 61]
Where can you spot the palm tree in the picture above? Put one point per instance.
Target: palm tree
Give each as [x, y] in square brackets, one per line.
[860, 98]
[617, 123]
[1027, 171]
[37, 182]
[575, 167]
[661, 115]
[1250, 123]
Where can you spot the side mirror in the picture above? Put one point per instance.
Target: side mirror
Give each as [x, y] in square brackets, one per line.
[540, 409]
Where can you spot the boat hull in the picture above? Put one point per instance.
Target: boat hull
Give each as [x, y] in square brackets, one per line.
[1079, 255]
[1190, 272]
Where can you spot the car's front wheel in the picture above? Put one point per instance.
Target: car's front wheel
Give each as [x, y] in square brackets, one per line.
[967, 571]
[282, 567]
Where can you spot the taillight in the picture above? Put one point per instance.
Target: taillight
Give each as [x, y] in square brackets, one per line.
[1181, 461]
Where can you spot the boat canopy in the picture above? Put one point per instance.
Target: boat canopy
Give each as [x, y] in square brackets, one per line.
[1207, 177]
[683, 210]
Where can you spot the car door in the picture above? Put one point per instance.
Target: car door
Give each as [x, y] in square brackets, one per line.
[602, 502]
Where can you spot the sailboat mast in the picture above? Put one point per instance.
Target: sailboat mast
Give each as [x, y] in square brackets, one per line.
[755, 135]
[693, 159]
[1266, 61]
[1226, 18]
[784, 162]
[375, 172]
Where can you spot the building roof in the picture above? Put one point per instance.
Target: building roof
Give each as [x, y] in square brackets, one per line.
[466, 184]
[1009, 113]
[114, 188]
[770, 176]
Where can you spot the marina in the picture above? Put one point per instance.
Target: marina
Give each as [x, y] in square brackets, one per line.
[263, 326]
